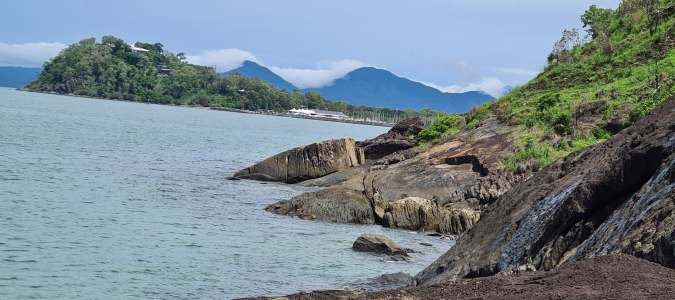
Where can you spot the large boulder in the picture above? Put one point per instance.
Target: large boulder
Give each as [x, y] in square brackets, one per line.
[335, 204]
[377, 243]
[307, 162]
[614, 197]
[400, 137]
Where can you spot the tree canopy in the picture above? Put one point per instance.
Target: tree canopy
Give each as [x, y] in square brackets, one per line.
[146, 72]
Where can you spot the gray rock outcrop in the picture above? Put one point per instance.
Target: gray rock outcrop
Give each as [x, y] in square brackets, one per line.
[307, 162]
[442, 189]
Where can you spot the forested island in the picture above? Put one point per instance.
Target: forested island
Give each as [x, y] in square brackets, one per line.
[146, 72]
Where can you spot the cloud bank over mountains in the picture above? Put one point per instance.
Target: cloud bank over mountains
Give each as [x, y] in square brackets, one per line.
[324, 74]
[223, 59]
[28, 54]
[491, 85]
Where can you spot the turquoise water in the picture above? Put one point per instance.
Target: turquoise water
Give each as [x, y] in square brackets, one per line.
[107, 199]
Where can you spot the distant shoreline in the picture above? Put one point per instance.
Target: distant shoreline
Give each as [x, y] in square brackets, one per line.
[234, 110]
[360, 122]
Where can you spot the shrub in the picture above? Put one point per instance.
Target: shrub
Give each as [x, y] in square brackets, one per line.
[442, 125]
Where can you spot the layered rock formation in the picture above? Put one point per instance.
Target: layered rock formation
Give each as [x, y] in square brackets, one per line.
[400, 137]
[441, 189]
[307, 162]
[617, 196]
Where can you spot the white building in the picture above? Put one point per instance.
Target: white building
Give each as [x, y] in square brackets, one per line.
[318, 113]
[138, 49]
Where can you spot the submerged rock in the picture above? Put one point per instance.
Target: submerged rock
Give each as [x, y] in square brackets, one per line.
[377, 243]
[307, 162]
[614, 197]
[383, 282]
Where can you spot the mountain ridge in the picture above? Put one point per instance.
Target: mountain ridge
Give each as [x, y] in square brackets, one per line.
[254, 70]
[377, 87]
[380, 87]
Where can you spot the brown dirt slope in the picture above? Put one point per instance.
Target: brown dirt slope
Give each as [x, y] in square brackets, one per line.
[617, 276]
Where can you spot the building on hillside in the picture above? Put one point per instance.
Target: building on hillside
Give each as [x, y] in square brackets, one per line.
[318, 113]
[138, 49]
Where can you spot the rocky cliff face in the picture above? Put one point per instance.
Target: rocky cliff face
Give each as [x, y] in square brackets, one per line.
[617, 196]
[307, 162]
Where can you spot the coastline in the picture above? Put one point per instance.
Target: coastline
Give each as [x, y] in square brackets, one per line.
[402, 188]
[234, 110]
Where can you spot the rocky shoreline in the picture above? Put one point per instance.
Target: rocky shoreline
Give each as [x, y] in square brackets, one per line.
[615, 197]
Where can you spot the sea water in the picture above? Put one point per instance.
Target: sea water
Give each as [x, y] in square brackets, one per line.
[103, 199]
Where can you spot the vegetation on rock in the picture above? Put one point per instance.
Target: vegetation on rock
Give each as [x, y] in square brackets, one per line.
[591, 88]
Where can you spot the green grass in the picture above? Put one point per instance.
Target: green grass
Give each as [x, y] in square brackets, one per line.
[566, 107]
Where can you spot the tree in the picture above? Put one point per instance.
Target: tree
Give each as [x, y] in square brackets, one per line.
[596, 20]
[570, 39]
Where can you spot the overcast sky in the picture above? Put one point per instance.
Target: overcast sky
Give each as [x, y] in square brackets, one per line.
[451, 44]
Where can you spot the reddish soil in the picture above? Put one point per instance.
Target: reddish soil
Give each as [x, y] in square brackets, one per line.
[608, 277]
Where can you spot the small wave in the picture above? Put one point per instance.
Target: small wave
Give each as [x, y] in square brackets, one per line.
[19, 261]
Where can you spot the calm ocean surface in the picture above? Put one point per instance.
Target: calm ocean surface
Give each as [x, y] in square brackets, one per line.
[117, 200]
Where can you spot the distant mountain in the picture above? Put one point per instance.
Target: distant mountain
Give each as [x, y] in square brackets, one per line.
[254, 70]
[381, 88]
[17, 77]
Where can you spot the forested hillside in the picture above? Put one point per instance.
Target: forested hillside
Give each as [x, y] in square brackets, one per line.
[146, 72]
[596, 82]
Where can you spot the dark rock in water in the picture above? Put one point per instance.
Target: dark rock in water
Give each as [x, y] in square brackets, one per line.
[307, 162]
[376, 243]
[383, 282]
[614, 197]
[402, 136]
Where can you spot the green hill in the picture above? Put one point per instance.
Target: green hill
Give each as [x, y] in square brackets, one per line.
[592, 87]
[145, 72]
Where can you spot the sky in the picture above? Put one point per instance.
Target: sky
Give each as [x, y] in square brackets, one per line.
[454, 45]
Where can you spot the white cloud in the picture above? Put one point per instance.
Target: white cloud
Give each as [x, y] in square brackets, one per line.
[491, 85]
[28, 54]
[222, 59]
[322, 76]
[519, 71]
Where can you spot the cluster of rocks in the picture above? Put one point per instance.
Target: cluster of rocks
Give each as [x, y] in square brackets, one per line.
[614, 197]
[388, 182]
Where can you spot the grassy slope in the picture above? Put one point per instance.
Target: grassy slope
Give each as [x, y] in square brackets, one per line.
[588, 92]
